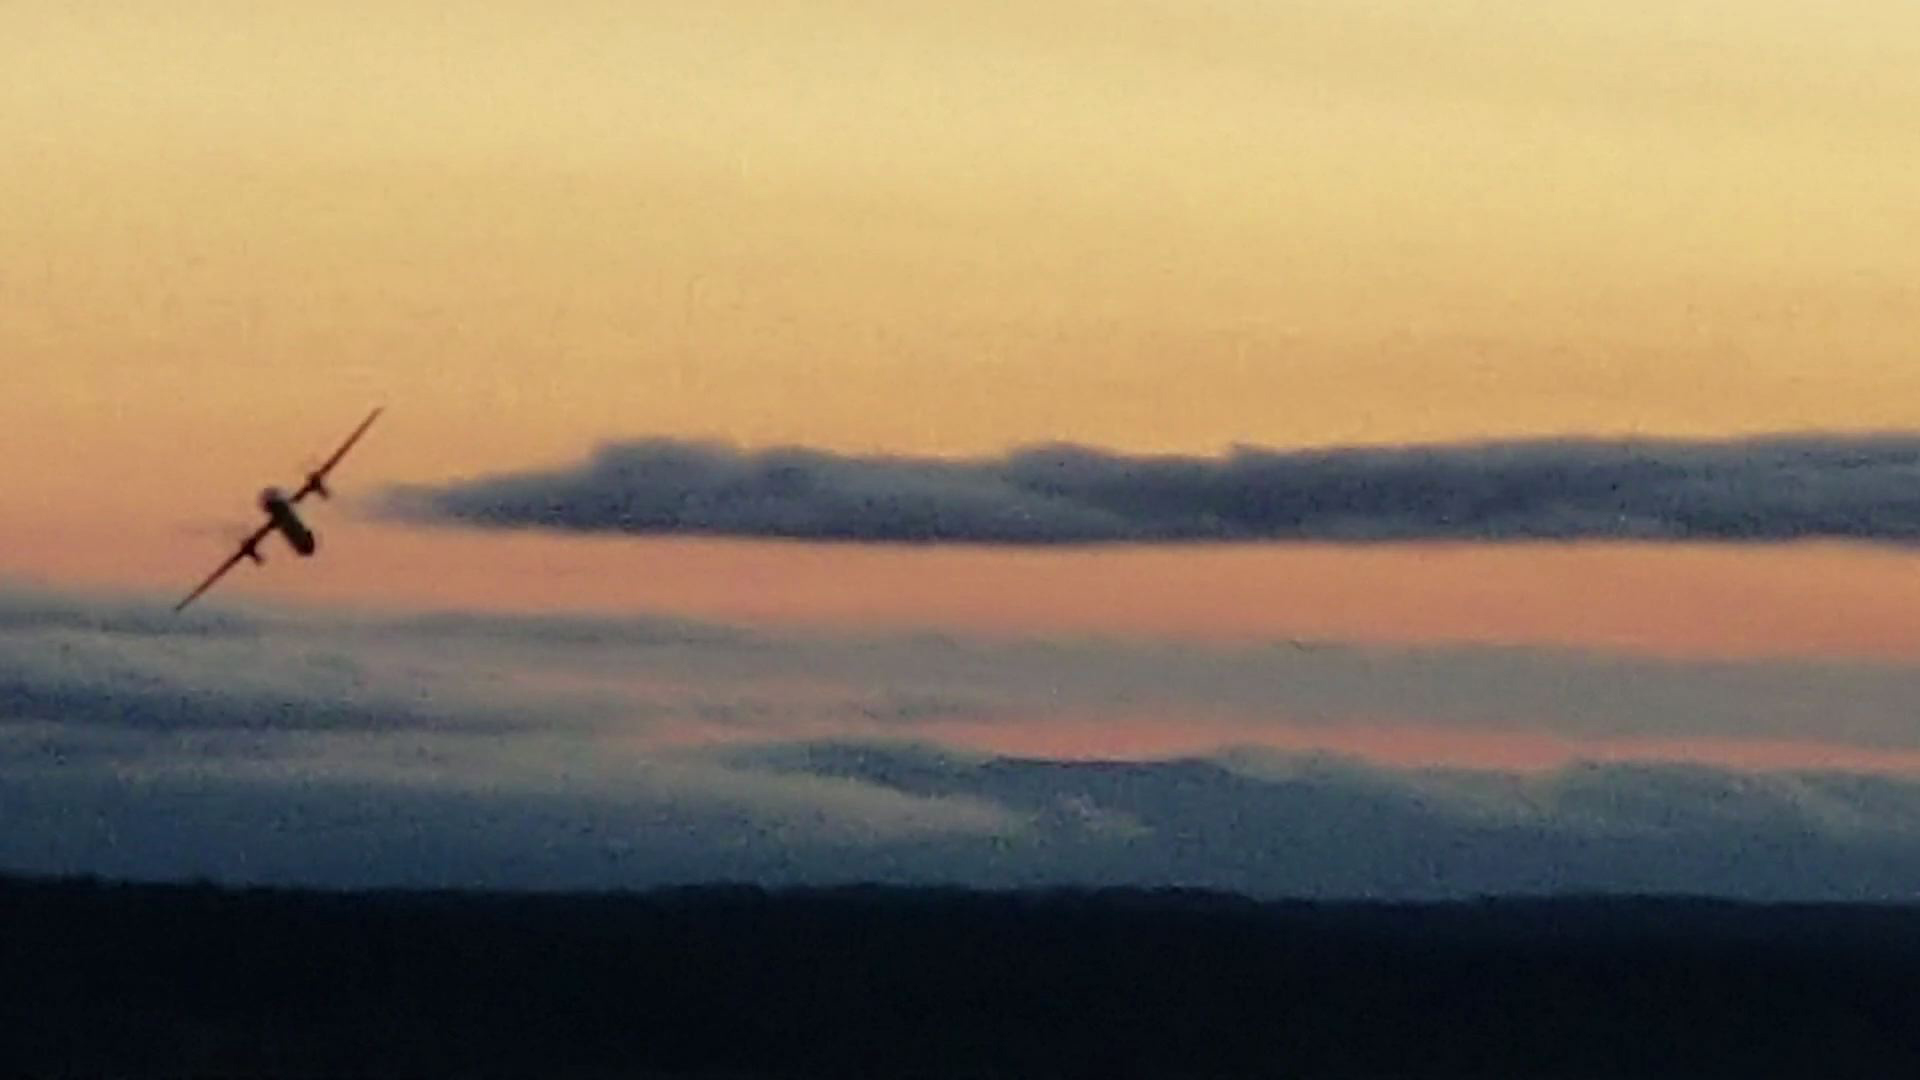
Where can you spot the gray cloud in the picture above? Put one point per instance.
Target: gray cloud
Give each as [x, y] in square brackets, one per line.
[27, 610]
[813, 813]
[492, 750]
[1312, 825]
[1773, 488]
[98, 662]
[643, 677]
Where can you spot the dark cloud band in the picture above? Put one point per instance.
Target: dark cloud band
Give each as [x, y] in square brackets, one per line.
[1762, 489]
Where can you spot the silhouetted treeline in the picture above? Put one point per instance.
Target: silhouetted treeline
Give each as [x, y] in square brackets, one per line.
[730, 981]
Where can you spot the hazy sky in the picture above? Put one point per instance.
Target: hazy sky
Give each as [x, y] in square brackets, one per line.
[934, 227]
[924, 228]
[910, 228]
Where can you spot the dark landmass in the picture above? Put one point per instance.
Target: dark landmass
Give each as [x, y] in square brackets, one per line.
[146, 980]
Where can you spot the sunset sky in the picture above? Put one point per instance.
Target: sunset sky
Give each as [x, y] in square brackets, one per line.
[884, 229]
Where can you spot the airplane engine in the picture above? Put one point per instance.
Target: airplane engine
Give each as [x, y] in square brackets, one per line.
[318, 486]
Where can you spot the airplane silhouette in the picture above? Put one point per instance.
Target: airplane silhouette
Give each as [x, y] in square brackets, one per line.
[280, 515]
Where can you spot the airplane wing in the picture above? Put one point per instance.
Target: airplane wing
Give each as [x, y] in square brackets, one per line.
[246, 546]
[316, 480]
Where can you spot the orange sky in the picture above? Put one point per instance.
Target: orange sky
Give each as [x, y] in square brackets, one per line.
[916, 227]
[1682, 601]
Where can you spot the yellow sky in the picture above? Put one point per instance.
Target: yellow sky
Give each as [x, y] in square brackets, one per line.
[923, 227]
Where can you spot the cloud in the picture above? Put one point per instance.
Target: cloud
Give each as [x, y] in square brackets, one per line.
[98, 662]
[25, 609]
[312, 747]
[103, 662]
[1773, 488]
[464, 749]
[1313, 825]
[811, 813]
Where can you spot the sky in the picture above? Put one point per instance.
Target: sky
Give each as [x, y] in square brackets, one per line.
[864, 325]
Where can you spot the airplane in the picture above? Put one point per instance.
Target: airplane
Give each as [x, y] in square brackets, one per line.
[280, 515]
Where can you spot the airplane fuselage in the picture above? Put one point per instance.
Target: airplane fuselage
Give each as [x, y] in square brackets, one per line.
[288, 523]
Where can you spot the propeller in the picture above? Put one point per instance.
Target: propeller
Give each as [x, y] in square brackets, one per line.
[309, 465]
[240, 538]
